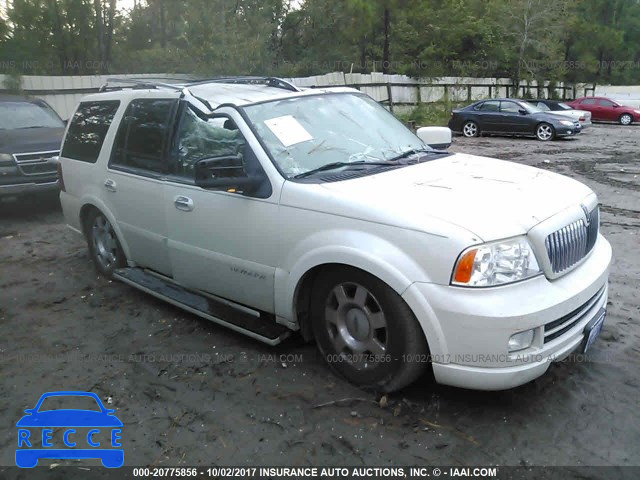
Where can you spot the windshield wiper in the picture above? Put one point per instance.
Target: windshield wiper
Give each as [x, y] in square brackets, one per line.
[32, 126]
[416, 151]
[334, 165]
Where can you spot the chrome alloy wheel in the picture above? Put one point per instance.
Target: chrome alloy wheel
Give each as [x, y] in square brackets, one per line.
[470, 129]
[104, 242]
[356, 325]
[544, 132]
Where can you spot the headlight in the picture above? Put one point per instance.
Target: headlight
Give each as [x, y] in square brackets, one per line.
[495, 263]
[6, 160]
[637, 111]
[566, 123]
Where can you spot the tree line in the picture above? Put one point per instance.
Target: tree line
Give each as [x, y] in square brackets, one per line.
[557, 40]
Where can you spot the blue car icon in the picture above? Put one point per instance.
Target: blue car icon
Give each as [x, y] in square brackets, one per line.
[36, 433]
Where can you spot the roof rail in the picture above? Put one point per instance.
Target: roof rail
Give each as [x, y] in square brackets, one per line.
[138, 83]
[182, 83]
[274, 82]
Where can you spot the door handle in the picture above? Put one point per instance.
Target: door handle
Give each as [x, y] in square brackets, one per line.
[110, 185]
[183, 203]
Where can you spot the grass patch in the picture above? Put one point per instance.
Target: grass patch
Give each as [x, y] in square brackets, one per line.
[429, 114]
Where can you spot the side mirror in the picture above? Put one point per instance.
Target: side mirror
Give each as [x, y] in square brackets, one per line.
[225, 173]
[436, 137]
[522, 111]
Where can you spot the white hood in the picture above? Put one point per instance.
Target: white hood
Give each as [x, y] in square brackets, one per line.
[491, 198]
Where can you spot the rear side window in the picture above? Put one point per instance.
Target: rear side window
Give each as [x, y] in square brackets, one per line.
[143, 135]
[589, 101]
[491, 106]
[87, 130]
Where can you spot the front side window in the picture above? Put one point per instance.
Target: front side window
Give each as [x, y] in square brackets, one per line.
[21, 115]
[143, 135]
[87, 130]
[308, 132]
[509, 107]
[542, 106]
[199, 138]
[605, 103]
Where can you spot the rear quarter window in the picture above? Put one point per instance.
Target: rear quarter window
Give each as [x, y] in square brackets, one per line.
[87, 130]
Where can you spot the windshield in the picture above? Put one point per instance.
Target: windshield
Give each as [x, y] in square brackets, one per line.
[15, 115]
[306, 133]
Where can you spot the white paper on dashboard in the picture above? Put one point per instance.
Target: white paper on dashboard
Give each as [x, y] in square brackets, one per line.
[288, 130]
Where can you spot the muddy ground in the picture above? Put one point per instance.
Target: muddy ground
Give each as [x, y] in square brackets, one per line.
[193, 393]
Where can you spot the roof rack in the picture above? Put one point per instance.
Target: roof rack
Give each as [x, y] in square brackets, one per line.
[148, 83]
[140, 83]
[274, 82]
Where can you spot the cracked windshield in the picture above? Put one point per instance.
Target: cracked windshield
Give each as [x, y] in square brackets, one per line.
[306, 133]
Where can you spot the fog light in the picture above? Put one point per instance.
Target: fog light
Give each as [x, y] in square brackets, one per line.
[520, 341]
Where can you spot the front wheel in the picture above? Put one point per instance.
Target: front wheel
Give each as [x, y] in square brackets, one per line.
[545, 132]
[104, 248]
[470, 129]
[366, 332]
[625, 119]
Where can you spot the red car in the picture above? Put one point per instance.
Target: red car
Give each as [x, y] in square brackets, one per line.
[604, 109]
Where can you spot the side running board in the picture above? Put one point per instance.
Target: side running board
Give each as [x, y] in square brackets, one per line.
[252, 323]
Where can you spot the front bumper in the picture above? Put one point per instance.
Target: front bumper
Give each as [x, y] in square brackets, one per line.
[28, 188]
[563, 131]
[468, 329]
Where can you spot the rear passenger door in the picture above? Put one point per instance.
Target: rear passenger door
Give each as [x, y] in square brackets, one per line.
[133, 184]
[488, 115]
[590, 105]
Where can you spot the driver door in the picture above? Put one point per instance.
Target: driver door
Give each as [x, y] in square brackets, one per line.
[223, 243]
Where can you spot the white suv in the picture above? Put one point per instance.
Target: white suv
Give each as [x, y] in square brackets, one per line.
[270, 209]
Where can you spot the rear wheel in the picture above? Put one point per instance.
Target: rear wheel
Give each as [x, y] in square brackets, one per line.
[545, 132]
[365, 330]
[104, 248]
[470, 129]
[625, 119]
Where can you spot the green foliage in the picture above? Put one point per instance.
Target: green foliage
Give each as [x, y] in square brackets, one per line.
[429, 114]
[556, 40]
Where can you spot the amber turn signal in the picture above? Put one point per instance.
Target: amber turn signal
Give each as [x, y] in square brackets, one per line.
[464, 267]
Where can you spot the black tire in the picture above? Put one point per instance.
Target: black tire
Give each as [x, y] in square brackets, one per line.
[470, 129]
[404, 356]
[104, 247]
[545, 132]
[625, 119]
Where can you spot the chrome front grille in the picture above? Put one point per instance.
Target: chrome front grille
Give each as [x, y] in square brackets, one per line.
[36, 163]
[553, 330]
[570, 244]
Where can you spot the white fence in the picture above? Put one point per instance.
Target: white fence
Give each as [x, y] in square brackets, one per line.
[396, 91]
[403, 91]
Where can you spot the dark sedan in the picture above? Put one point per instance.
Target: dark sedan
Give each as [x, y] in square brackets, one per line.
[505, 116]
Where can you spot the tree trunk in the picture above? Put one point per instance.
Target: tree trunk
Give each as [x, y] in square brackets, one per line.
[385, 47]
[97, 7]
[59, 36]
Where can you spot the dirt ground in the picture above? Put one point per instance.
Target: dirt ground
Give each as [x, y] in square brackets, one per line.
[193, 393]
